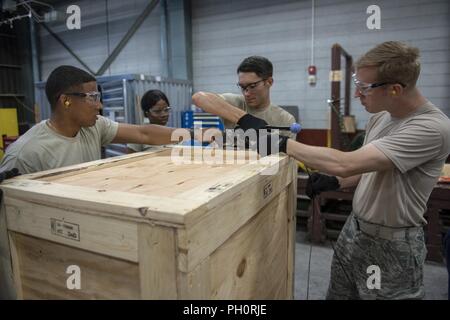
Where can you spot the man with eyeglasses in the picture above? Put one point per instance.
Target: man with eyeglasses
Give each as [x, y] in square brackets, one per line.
[255, 80]
[75, 131]
[407, 142]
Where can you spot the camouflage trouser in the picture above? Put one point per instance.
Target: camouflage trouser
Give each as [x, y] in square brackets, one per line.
[400, 264]
[447, 258]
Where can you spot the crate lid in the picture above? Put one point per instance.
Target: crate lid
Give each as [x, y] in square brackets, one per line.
[150, 185]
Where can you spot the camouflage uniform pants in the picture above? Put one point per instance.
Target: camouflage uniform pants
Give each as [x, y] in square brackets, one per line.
[447, 258]
[400, 263]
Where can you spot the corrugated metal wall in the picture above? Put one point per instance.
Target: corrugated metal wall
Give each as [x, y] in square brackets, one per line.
[11, 86]
[16, 83]
[225, 32]
[103, 24]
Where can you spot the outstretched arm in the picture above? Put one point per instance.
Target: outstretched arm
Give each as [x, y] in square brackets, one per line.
[339, 163]
[159, 135]
[349, 182]
[143, 134]
[214, 104]
[327, 160]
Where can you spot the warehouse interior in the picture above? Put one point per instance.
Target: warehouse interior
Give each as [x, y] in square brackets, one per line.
[183, 47]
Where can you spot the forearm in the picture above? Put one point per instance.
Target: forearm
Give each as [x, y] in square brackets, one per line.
[214, 104]
[157, 135]
[144, 134]
[349, 182]
[327, 160]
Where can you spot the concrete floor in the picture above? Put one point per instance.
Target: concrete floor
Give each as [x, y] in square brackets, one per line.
[435, 275]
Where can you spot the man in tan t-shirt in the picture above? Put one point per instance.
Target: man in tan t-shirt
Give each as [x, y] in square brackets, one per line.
[381, 249]
[74, 134]
[255, 80]
[75, 131]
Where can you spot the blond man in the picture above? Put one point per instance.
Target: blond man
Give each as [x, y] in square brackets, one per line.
[381, 250]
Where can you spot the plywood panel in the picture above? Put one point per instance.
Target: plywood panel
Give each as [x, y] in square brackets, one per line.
[121, 205]
[43, 266]
[244, 204]
[196, 283]
[15, 264]
[169, 179]
[157, 262]
[252, 264]
[292, 228]
[106, 236]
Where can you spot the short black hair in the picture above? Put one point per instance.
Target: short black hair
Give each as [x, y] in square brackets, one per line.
[257, 64]
[62, 79]
[151, 97]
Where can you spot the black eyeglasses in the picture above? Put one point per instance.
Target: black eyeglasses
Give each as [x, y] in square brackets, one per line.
[250, 87]
[93, 96]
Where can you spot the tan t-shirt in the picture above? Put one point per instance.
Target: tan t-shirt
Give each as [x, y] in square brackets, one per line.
[41, 148]
[273, 115]
[418, 147]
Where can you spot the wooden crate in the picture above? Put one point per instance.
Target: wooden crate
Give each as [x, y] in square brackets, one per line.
[140, 227]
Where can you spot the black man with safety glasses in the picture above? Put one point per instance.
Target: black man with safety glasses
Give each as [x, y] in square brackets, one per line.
[75, 131]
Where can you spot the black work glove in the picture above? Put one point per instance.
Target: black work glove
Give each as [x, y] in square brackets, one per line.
[266, 143]
[248, 121]
[318, 183]
[251, 122]
[9, 174]
[280, 143]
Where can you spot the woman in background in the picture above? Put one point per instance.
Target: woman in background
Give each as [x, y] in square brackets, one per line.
[156, 108]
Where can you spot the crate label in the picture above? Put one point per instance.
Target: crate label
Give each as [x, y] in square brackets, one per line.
[268, 190]
[65, 229]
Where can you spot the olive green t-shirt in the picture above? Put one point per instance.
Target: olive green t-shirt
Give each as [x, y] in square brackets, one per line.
[273, 115]
[41, 148]
[418, 146]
